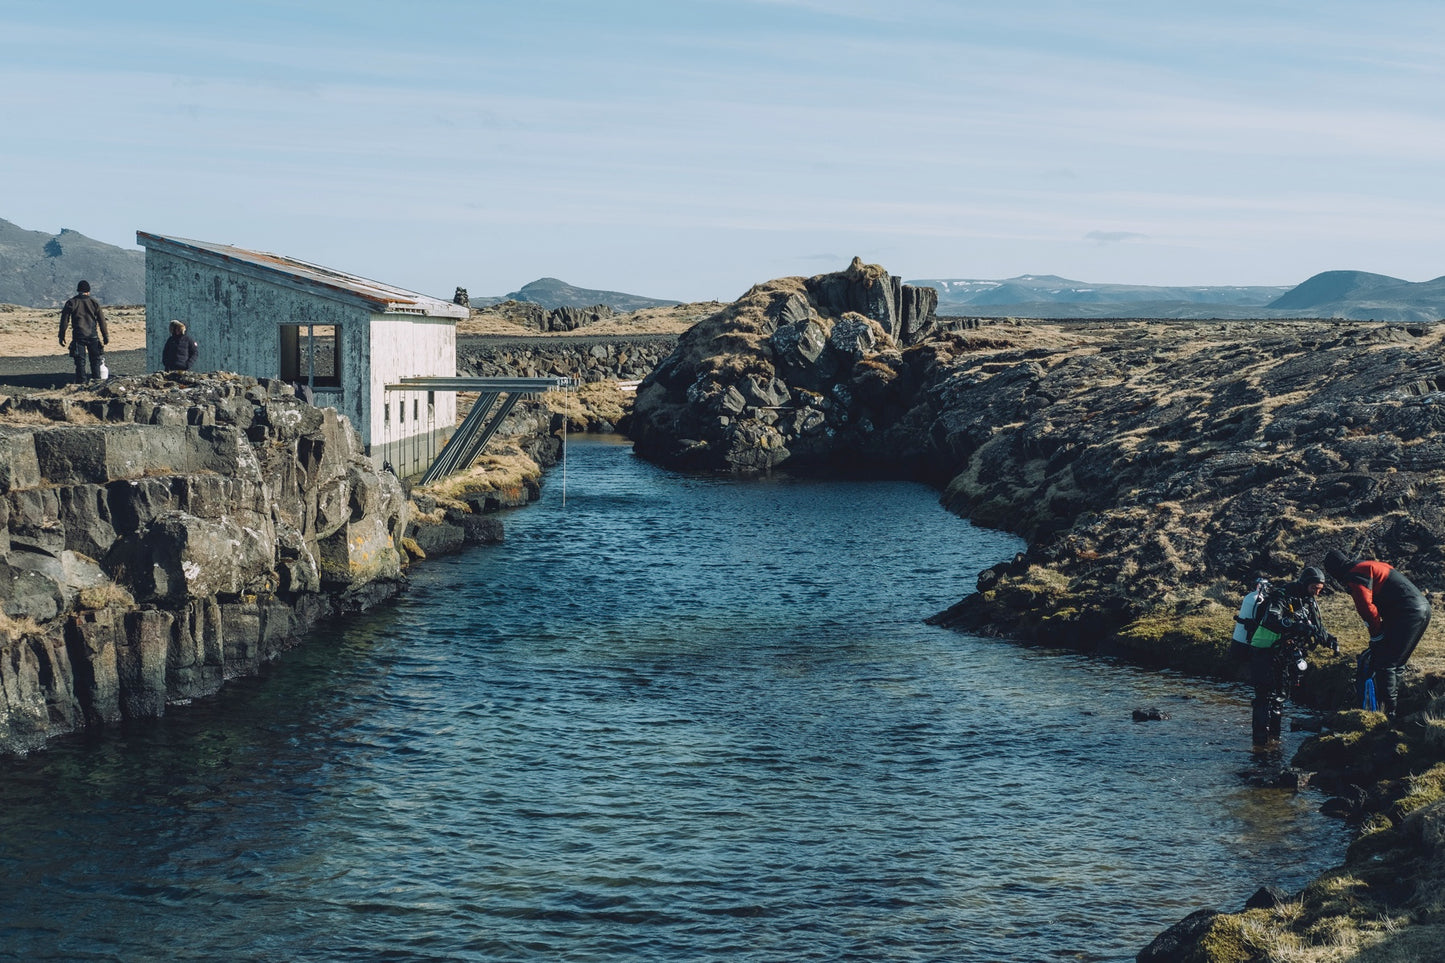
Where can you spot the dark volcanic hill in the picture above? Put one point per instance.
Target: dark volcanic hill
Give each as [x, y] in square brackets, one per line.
[552, 294]
[1361, 296]
[40, 270]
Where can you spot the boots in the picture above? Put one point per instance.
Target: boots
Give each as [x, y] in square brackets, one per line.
[1267, 719]
[1387, 689]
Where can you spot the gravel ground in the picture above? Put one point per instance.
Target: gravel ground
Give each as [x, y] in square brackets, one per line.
[21, 375]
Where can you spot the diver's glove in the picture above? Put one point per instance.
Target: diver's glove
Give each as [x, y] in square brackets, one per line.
[1333, 643]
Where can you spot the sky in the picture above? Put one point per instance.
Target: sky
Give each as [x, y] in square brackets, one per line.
[688, 149]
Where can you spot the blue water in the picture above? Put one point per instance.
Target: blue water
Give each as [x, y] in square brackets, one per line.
[671, 719]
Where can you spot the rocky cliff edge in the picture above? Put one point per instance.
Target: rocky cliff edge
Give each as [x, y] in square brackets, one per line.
[163, 533]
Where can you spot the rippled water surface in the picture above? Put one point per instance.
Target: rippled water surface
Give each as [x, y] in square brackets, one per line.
[673, 719]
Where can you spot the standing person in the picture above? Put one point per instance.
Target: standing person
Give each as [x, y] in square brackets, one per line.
[1290, 624]
[82, 314]
[181, 350]
[1395, 612]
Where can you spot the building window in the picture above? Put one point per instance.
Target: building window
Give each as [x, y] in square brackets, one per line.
[311, 354]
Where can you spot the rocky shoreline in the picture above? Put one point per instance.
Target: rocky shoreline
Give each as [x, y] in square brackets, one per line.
[162, 534]
[1156, 469]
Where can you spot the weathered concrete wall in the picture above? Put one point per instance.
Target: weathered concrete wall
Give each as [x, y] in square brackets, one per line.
[163, 533]
[237, 321]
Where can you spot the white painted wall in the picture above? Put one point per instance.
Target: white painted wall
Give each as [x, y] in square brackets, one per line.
[408, 346]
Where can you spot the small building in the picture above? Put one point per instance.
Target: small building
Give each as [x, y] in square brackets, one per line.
[345, 337]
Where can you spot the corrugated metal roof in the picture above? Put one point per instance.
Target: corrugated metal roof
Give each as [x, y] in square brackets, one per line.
[382, 298]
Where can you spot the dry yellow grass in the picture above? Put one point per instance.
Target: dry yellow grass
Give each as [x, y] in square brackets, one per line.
[29, 332]
[588, 403]
[12, 629]
[502, 470]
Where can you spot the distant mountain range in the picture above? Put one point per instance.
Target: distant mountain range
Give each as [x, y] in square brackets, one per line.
[40, 270]
[1356, 295]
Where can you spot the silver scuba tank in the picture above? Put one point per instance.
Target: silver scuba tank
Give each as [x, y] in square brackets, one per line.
[1249, 611]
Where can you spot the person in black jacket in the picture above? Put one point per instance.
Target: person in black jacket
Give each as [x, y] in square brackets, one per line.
[1395, 612]
[82, 314]
[1291, 624]
[181, 350]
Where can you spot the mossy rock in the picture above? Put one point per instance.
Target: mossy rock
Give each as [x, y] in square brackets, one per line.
[1377, 837]
[1357, 720]
[1423, 789]
[1340, 750]
[1191, 644]
[1229, 939]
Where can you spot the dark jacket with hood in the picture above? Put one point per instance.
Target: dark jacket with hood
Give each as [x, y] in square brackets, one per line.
[1381, 593]
[180, 352]
[83, 315]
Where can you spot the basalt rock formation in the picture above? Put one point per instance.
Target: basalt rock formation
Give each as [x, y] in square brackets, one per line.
[562, 318]
[800, 369]
[161, 534]
[584, 359]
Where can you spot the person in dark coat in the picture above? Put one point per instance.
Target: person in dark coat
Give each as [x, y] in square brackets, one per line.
[82, 314]
[1395, 612]
[1291, 625]
[181, 350]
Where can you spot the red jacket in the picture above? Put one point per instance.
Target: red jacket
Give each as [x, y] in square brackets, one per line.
[1381, 593]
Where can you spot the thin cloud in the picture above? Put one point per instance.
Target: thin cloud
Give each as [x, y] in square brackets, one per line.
[1115, 237]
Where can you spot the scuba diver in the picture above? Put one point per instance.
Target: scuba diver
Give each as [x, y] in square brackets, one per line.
[1289, 624]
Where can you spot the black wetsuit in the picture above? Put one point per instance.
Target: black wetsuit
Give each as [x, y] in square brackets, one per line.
[1292, 611]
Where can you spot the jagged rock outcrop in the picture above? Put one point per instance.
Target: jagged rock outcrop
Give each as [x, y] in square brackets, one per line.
[561, 318]
[161, 534]
[585, 359]
[799, 370]
[570, 319]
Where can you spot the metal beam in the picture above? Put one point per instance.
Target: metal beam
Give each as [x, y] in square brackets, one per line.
[450, 458]
[472, 435]
[520, 385]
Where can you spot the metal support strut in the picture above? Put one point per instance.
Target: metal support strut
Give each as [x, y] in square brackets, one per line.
[481, 423]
